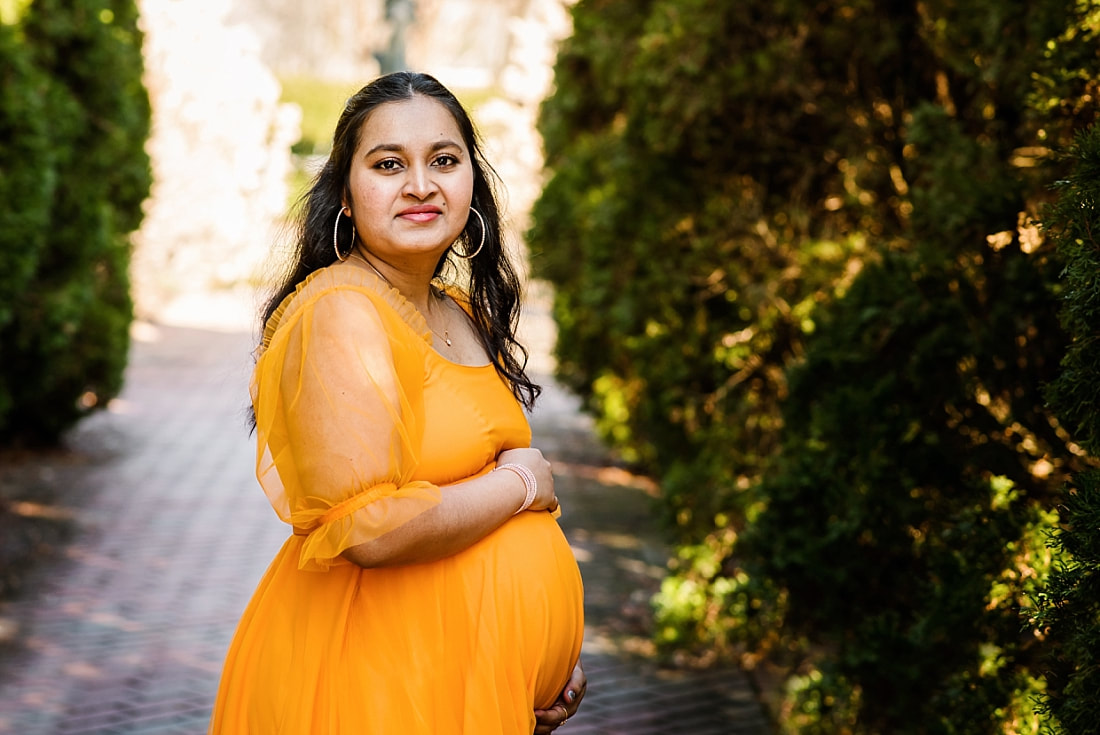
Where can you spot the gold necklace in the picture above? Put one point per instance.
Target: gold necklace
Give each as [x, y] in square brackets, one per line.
[446, 336]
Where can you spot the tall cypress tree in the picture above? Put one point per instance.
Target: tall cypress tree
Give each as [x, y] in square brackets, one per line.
[65, 346]
[26, 171]
[1069, 610]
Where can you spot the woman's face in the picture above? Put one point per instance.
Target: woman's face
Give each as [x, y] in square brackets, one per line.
[411, 182]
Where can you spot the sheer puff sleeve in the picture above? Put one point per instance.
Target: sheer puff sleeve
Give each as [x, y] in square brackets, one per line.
[338, 395]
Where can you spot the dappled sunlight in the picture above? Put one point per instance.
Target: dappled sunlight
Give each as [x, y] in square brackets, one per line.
[9, 629]
[119, 406]
[582, 555]
[82, 670]
[604, 475]
[618, 540]
[143, 331]
[29, 509]
[640, 568]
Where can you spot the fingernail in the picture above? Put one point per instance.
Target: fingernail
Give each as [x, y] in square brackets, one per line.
[570, 695]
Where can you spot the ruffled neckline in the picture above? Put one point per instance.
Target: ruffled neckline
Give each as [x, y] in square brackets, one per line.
[345, 276]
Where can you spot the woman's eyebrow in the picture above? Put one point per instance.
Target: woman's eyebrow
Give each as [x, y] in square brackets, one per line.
[398, 148]
[392, 147]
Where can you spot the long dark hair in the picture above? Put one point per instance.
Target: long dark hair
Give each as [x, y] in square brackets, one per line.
[492, 284]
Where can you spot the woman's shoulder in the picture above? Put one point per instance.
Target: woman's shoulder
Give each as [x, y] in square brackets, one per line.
[340, 281]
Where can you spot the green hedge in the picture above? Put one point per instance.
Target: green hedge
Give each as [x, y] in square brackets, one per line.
[1069, 607]
[74, 178]
[26, 171]
[798, 278]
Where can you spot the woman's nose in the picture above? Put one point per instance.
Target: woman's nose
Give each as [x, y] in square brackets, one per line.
[419, 182]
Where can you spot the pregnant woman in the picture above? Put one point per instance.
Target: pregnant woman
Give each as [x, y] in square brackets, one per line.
[427, 588]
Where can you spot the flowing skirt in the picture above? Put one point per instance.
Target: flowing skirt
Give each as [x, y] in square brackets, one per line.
[470, 644]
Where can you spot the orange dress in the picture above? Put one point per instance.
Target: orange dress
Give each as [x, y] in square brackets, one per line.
[360, 424]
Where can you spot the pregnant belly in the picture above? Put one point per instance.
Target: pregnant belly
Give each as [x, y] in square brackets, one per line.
[511, 606]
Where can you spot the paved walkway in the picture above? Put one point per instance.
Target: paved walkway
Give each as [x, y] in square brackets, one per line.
[125, 632]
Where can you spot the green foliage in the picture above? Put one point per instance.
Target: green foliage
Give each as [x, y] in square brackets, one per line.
[1074, 222]
[65, 338]
[12, 10]
[27, 179]
[1069, 607]
[797, 277]
[906, 547]
[321, 103]
[657, 234]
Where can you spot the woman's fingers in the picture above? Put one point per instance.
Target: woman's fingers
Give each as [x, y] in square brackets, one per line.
[549, 720]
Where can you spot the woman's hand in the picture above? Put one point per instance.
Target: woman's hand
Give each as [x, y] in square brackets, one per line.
[548, 720]
[533, 460]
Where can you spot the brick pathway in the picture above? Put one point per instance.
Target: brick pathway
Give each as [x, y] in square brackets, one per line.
[125, 632]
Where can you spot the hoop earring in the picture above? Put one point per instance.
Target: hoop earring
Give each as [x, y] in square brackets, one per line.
[481, 244]
[335, 240]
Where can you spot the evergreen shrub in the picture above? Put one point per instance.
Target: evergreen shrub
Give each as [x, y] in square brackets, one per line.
[1069, 607]
[26, 171]
[798, 277]
[64, 325]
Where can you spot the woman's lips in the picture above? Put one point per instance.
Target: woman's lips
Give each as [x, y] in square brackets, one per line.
[420, 214]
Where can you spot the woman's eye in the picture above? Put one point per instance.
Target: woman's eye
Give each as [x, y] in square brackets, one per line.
[387, 164]
[446, 160]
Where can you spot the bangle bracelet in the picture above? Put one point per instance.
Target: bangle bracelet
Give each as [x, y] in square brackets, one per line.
[529, 483]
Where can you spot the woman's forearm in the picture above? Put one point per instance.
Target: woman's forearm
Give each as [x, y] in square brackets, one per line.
[467, 512]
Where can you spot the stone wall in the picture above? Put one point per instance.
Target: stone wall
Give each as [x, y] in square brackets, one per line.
[508, 119]
[220, 149]
[464, 43]
[328, 39]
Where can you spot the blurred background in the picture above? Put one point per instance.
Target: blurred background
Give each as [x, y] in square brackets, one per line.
[826, 272]
[245, 95]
